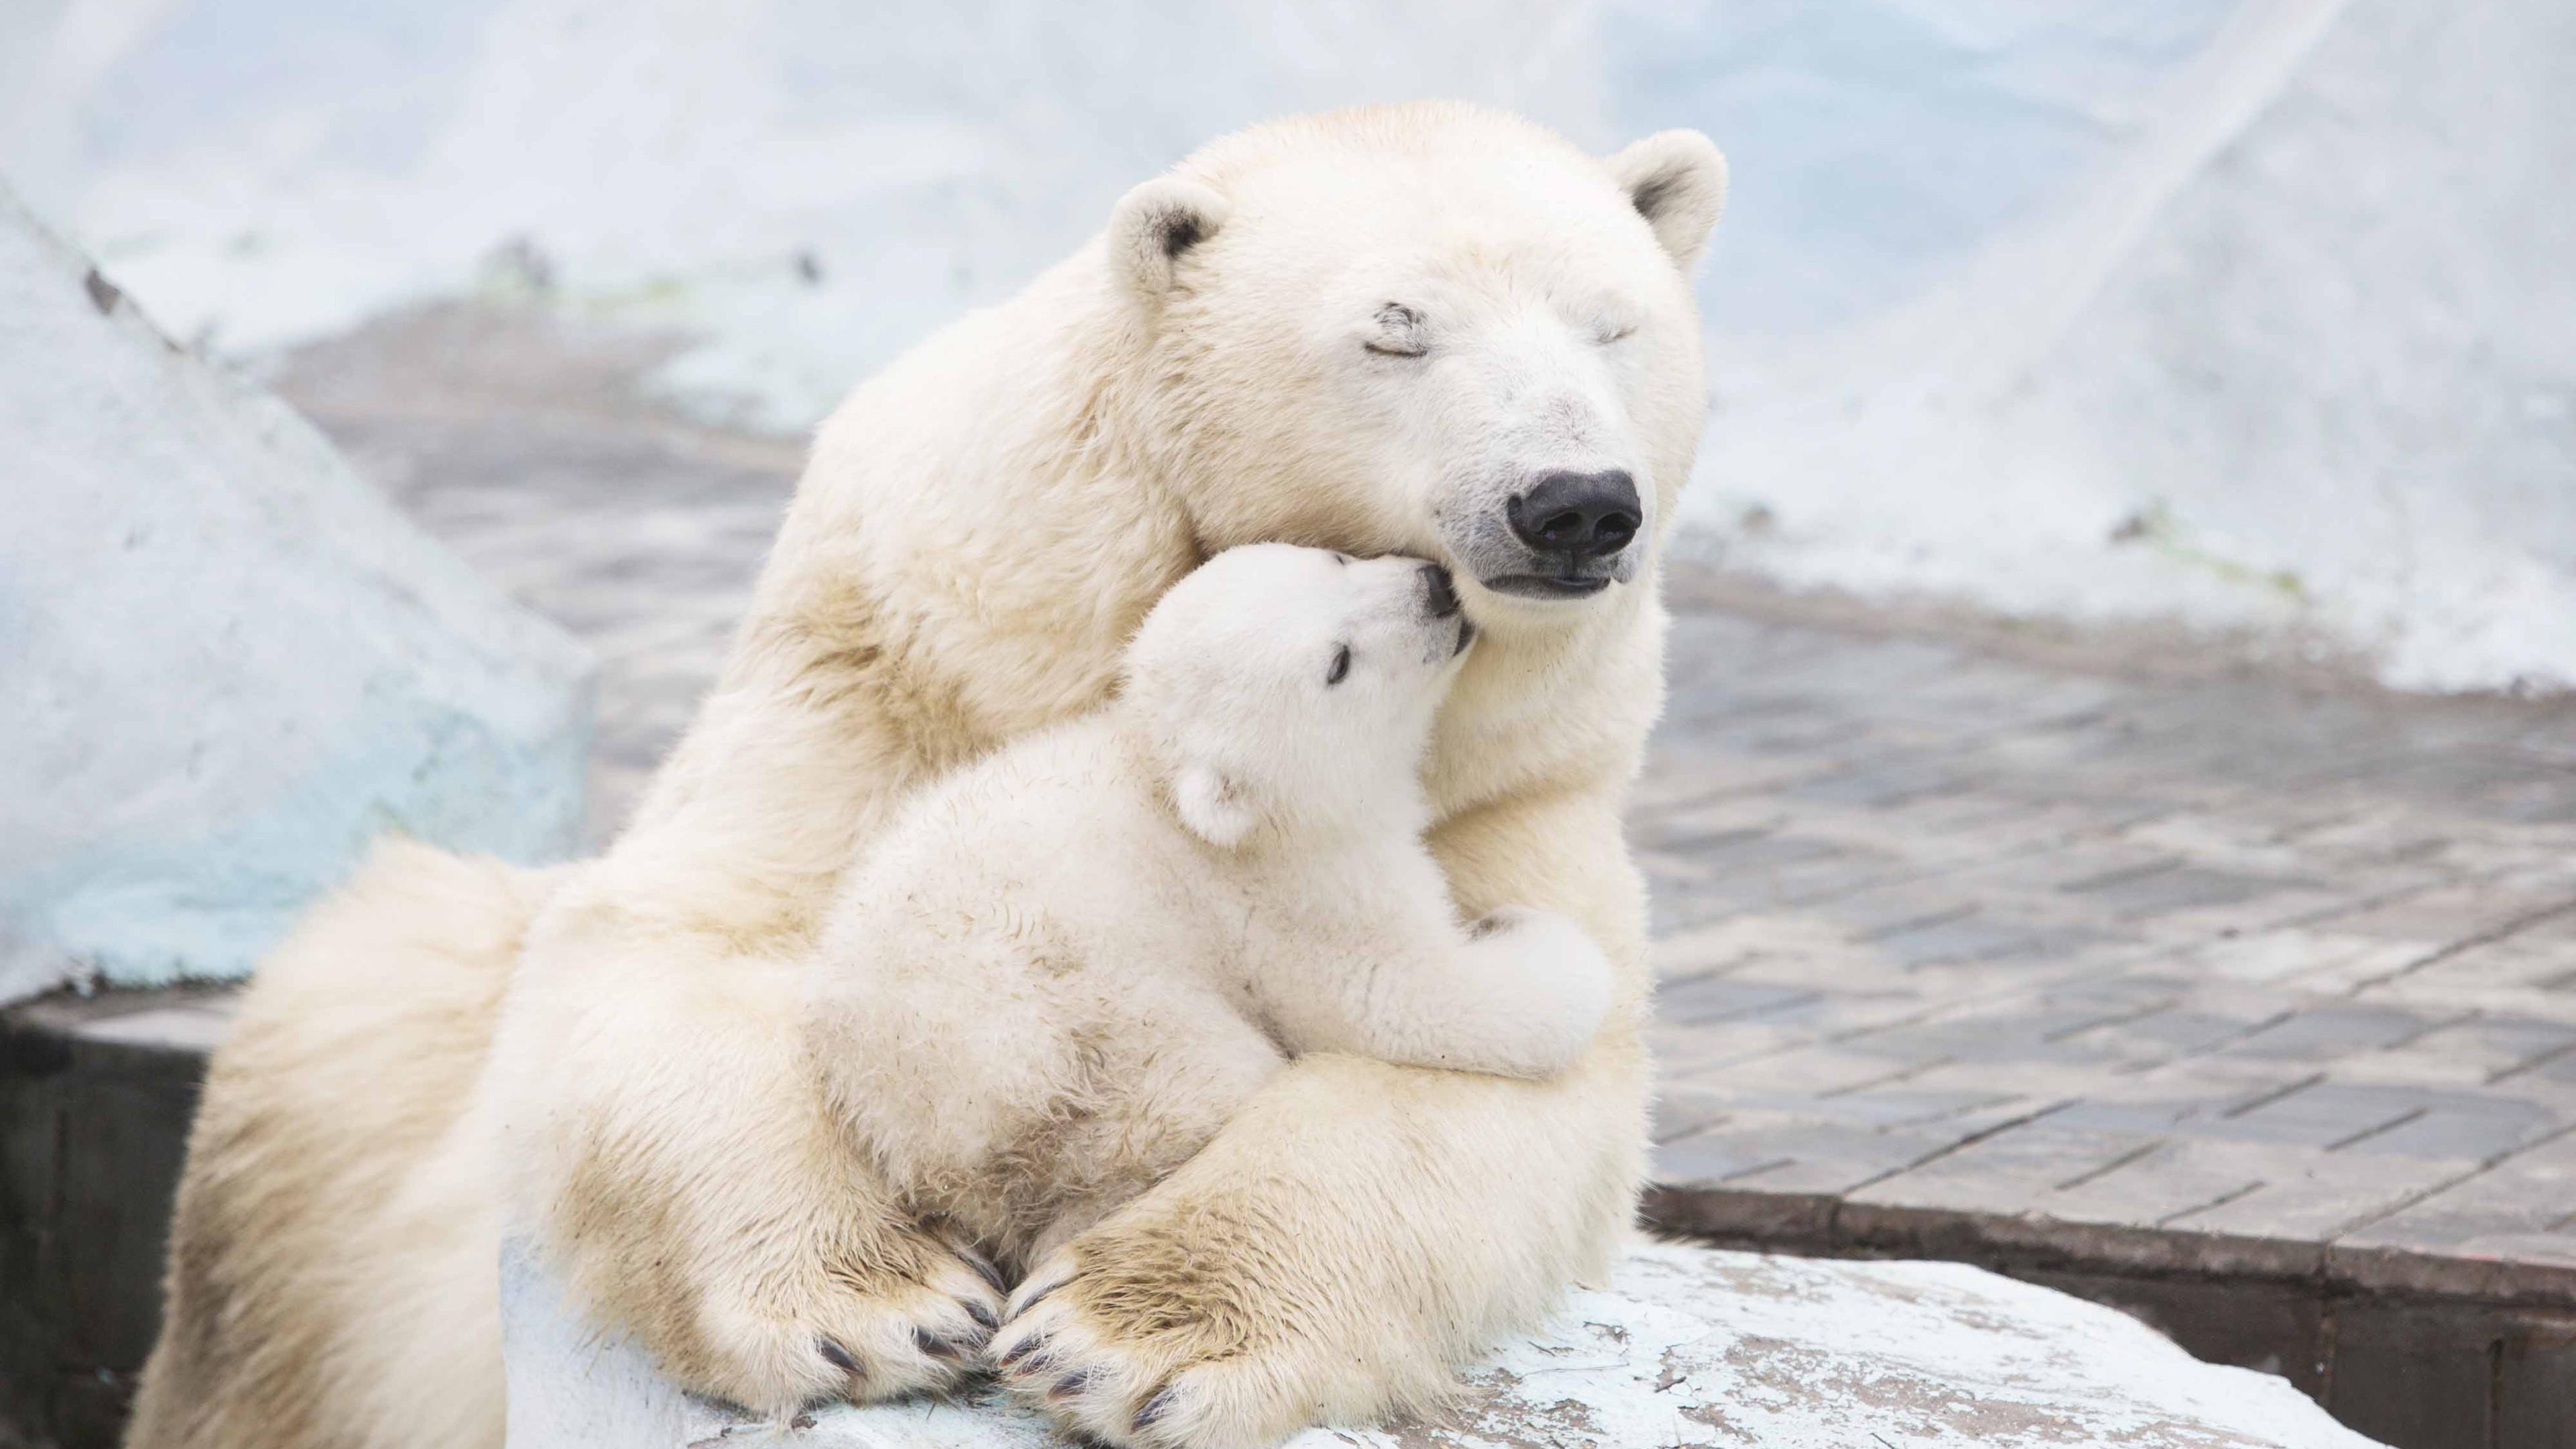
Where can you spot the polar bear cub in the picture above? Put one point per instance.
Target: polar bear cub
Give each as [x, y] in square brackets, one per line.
[1059, 971]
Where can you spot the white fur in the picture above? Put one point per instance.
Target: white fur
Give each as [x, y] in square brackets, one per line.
[979, 532]
[1051, 980]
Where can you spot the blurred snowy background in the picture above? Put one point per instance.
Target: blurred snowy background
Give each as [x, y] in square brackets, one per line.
[2257, 315]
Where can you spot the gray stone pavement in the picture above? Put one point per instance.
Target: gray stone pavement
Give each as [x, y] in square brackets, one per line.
[2209, 973]
[2033, 948]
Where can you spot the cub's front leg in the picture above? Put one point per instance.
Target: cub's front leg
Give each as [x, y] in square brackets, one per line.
[1359, 1228]
[665, 1141]
[1520, 995]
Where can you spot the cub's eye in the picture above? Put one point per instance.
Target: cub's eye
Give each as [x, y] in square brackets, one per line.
[1401, 333]
[1341, 665]
[1606, 333]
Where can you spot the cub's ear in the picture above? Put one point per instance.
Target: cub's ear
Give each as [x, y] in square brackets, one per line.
[1213, 805]
[1153, 225]
[1677, 182]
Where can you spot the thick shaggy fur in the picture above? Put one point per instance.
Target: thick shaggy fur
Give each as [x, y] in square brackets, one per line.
[1063, 968]
[1366, 331]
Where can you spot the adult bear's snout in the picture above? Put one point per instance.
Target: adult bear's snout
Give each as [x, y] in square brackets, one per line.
[1582, 516]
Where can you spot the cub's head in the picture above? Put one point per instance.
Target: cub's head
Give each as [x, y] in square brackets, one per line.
[1432, 329]
[1295, 687]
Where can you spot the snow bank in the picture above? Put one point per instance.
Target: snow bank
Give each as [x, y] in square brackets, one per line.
[229, 664]
[2305, 359]
[2240, 312]
[1686, 1347]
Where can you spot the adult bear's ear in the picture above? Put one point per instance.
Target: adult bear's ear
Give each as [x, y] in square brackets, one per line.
[1151, 228]
[1677, 182]
[1213, 805]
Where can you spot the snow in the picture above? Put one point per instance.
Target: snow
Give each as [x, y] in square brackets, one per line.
[1685, 1347]
[2245, 313]
[230, 664]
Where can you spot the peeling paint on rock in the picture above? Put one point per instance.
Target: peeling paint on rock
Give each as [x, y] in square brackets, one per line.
[1686, 1347]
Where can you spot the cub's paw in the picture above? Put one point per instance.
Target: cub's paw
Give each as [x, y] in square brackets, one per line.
[837, 1329]
[1547, 989]
[1541, 933]
[1121, 1360]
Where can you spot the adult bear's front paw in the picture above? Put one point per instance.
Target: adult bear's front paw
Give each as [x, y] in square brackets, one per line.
[776, 1326]
[1160, 1333]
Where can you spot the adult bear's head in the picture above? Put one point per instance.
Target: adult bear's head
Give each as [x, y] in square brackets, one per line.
[1434, 329]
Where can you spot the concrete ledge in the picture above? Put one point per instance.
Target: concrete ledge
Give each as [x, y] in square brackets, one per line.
[95, 1098]
[2421, 1351]
[96, 1093]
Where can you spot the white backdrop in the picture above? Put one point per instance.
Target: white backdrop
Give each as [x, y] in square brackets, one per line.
[2247, 312]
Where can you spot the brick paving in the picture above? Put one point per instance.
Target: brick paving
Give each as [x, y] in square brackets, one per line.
[2214, 964]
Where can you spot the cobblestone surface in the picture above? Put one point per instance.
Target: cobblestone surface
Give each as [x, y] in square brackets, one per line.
[2214, 958]
[2191, 966]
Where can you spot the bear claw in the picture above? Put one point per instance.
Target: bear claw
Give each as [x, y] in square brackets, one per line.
[985, 1270]
[839, 1357]
[1034, 1299]
[1156, 1406]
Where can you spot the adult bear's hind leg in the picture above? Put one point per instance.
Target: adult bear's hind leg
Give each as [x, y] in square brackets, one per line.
[353, 1055]
[671, 1152]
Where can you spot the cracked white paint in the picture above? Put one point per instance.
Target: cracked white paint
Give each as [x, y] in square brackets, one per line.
[1687, 1346]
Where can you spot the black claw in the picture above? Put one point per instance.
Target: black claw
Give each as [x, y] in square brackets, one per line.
[1071, 1384]
[985, 1270]
[1155, 1408]
[1023, 1348]
[932, 1344]
[838, 1357]
[1039, 1296]
[982, 1315]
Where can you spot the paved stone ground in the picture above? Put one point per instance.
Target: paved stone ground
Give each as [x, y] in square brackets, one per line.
[2256, 971]
[2122, 958]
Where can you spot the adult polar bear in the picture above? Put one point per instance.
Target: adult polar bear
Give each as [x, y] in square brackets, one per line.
[1429, 329]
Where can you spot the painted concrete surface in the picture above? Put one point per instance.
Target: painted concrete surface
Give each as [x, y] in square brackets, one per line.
[1685, 1347]
[229, 662]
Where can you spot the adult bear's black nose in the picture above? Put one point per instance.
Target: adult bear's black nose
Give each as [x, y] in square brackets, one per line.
[1580, 515]
[1438, 593]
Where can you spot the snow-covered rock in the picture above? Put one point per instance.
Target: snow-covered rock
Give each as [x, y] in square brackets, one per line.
[226, 663]
[1687, 1346]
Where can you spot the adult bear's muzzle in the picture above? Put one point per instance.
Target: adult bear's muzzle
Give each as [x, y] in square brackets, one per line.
[1575, 529]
